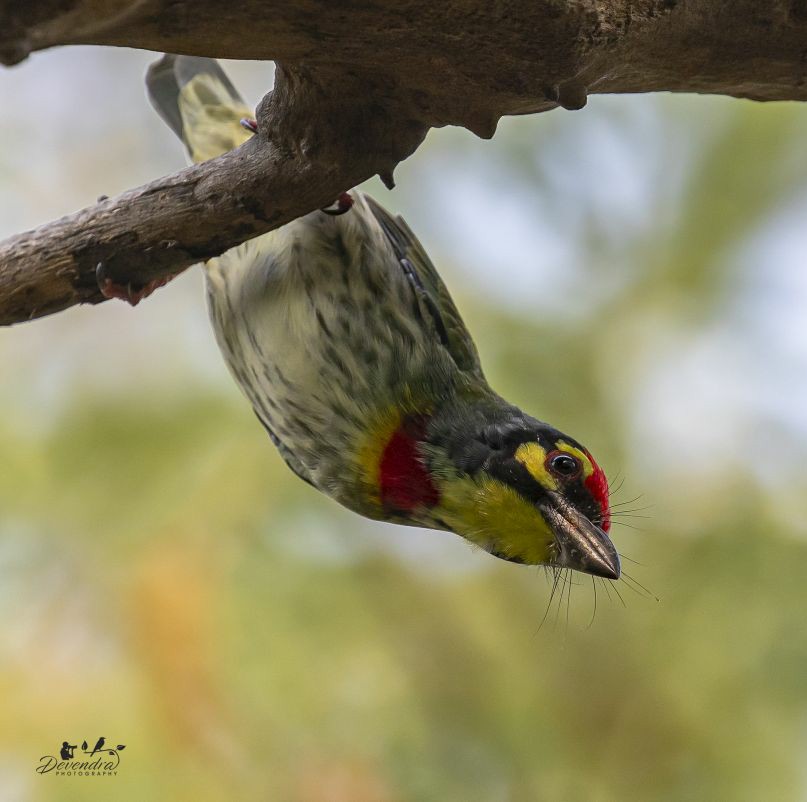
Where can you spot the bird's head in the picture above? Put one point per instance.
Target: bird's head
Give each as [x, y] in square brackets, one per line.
[518, 488]
[526, 493]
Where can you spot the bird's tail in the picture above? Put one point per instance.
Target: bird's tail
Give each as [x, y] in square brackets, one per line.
[200, 105]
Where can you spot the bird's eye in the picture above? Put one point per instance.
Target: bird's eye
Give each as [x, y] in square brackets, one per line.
[563, 465]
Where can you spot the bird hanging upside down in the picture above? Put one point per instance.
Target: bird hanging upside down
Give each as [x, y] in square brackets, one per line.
[341, 334]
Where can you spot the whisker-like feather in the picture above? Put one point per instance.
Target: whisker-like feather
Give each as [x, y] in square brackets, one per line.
[560, 600]
[606, 584]
[568, 602]
[630, 501]
[639, 588]
[616, 590]
[556, 573]
[629, 526]
[594, 611]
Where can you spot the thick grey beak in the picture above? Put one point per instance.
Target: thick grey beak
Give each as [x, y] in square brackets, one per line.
[581, 545]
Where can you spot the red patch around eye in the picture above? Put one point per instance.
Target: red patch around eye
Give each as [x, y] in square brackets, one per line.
[597, 485]
[403, 479]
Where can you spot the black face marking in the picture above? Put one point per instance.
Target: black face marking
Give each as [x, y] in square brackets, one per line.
[473, 457]
[493, 451]
[510, 435]
[577, 495]
[513, 473]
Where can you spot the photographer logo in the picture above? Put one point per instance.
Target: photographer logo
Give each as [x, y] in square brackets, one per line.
[100, 761]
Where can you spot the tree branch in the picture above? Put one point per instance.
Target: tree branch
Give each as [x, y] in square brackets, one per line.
[309, 148]
[358, 85]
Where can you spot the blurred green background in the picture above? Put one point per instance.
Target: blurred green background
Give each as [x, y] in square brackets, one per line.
[632, 273]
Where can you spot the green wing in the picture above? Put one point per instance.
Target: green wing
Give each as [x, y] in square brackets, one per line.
[427, 283]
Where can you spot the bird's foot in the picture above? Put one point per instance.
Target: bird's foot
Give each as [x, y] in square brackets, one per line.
[341, 205]
[131, 293]
[249, 124]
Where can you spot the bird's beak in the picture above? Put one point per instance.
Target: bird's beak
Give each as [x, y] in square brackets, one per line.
[581, 544]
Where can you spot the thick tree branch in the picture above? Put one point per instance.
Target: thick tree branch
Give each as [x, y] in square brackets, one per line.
[358, 86]
[200, 212]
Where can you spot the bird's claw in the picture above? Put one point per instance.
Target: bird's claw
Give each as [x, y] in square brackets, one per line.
[249, 124]
[341, 205]
[132, 294]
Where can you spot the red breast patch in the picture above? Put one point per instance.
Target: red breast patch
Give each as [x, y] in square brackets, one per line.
[404, 481]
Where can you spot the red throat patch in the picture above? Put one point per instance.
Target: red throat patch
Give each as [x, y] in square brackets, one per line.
[404, 482]
[597, 485]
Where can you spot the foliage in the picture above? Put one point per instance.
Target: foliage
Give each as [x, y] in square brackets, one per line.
[165, 581]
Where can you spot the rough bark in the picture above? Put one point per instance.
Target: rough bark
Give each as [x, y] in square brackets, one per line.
[200, 212]
[358, 86]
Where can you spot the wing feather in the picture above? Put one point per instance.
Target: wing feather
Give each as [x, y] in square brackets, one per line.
[422, 274]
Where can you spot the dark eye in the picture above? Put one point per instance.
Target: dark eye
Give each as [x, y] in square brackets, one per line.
[564, 465]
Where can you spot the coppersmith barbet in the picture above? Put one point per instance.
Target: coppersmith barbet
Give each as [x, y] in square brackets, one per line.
[340, 332]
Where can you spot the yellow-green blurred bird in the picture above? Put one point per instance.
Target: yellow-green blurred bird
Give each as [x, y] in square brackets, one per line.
[342, 335]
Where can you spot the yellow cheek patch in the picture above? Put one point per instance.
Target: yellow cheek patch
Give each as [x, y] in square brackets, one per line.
[533, 458]
[494, 516]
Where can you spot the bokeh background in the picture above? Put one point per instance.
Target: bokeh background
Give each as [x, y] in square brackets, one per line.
[633, 272]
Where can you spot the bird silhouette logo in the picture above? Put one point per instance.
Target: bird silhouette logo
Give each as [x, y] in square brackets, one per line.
[100, 759]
